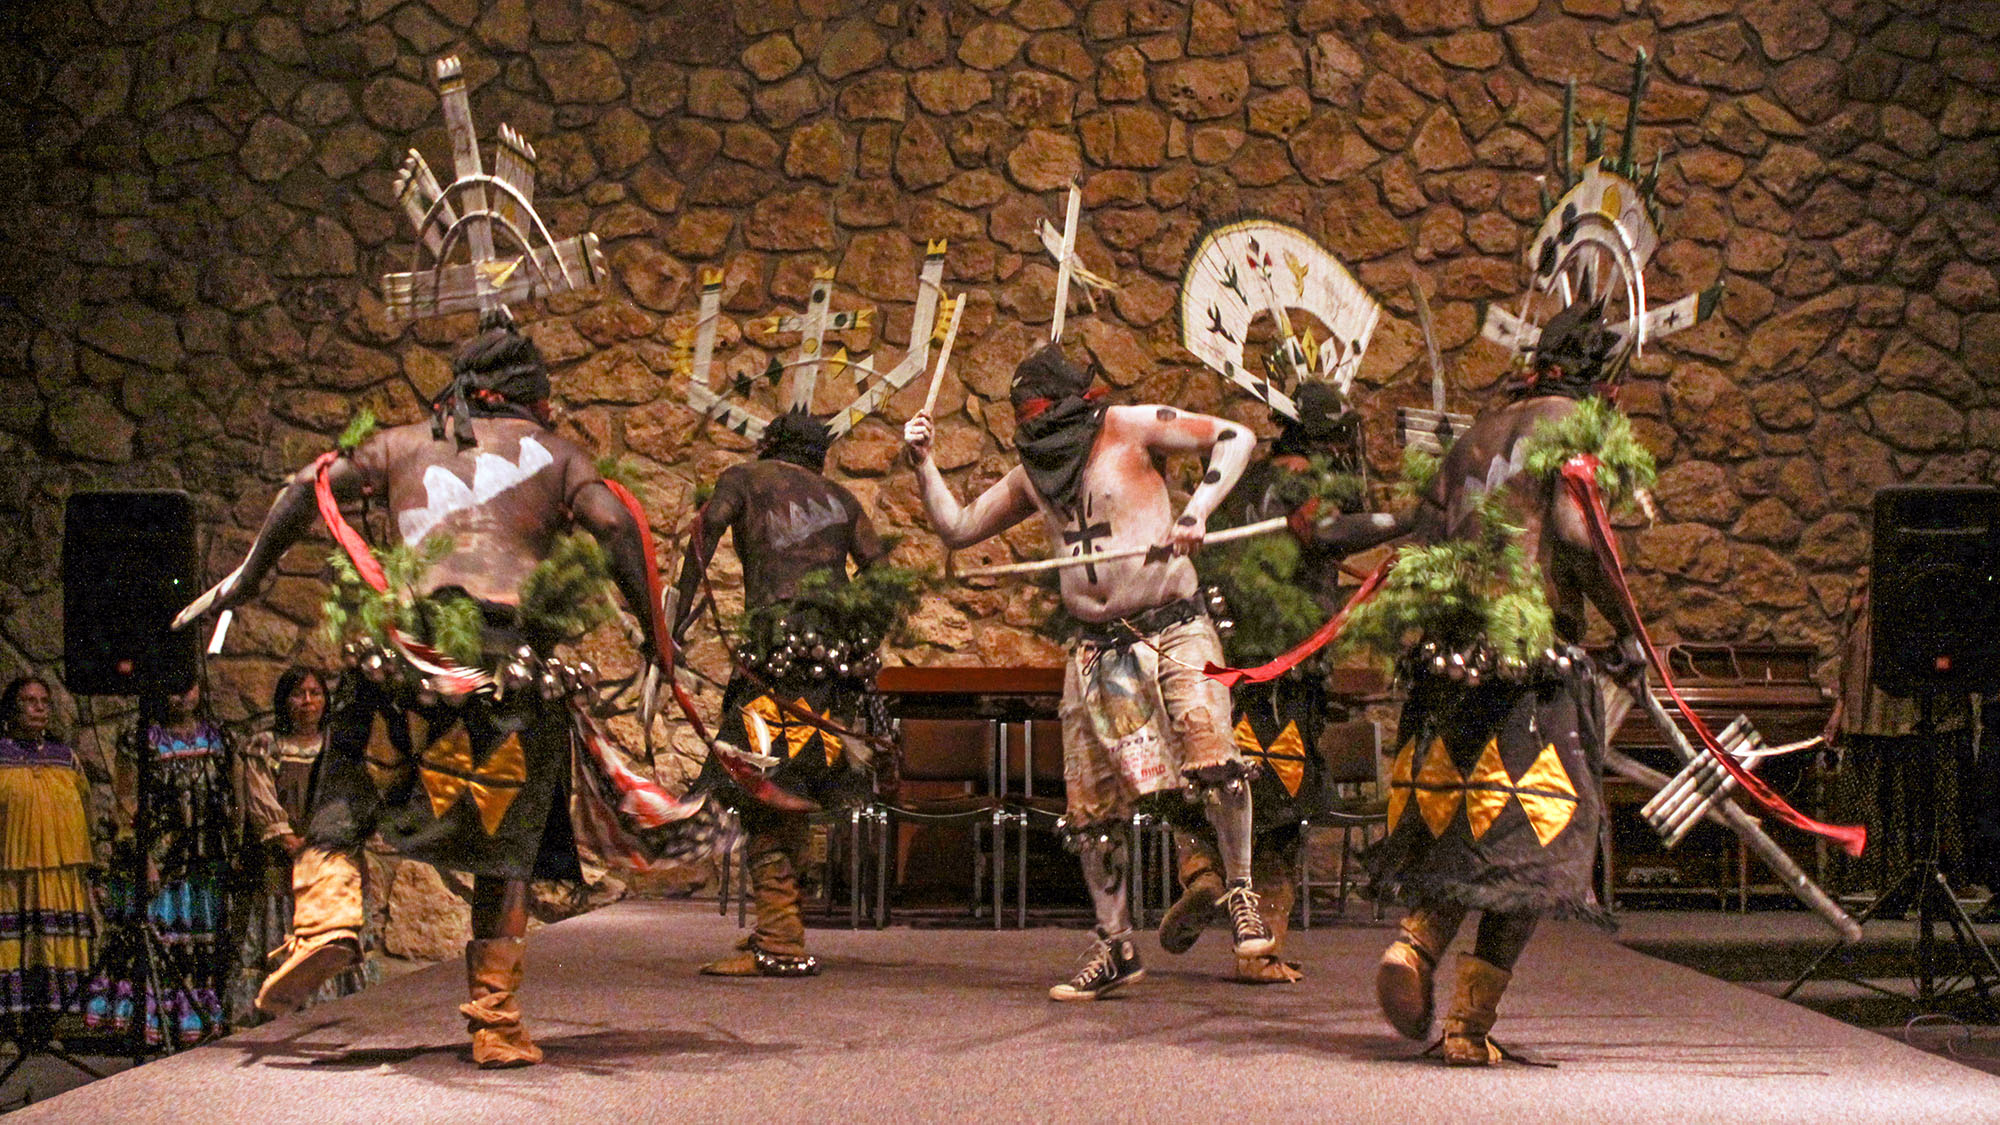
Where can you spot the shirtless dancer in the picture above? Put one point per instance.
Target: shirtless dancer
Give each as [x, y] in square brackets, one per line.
[1534, 857]
[477, 783]
[1138, 715]
[787, 521]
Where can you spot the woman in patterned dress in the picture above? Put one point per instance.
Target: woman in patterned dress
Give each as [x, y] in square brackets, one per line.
[46, 921]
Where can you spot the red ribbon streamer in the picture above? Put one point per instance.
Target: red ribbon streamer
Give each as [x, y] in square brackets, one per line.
[655, 609]
[350, 540]
[1580, 478]
[1285, 662]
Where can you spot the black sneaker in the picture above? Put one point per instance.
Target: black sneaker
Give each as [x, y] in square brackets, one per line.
[1253, 934]
[1112, 962]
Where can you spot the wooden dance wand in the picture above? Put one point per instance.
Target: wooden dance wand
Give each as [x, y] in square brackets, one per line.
[1247, 531]
[944, 353]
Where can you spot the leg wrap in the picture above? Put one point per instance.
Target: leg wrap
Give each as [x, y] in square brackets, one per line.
[1202, 888]
[493, 974]
[1106, 861]
[1474, 1008]
[777, 946]
[1406, 977]
[774, 891]
[1228, 808]
[326, 929]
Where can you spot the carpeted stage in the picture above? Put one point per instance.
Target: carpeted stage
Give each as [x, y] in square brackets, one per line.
[936, 1024]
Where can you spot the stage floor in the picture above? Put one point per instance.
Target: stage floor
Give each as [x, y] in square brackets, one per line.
[934, 1024]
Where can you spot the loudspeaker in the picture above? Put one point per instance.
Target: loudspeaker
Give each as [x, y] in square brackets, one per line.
[128, 567]
[1934, 590]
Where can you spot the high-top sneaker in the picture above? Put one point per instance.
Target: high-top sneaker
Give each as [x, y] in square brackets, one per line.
[1111, 963]
[1253, 934]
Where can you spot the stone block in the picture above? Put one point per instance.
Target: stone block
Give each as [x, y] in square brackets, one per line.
[1202, 89]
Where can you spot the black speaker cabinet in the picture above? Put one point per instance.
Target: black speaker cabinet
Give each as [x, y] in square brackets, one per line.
[1934, 590]
[128, 567]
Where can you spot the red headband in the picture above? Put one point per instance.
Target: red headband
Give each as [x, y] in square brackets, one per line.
[1028, 408]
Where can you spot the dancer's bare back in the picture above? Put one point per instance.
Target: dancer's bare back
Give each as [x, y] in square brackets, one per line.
[502, 501]
[786, 521]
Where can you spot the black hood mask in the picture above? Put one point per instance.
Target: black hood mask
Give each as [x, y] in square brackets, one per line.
[1572, 355]
[1056, 423]
[798, 438]
[499, 373]
[1325, 425]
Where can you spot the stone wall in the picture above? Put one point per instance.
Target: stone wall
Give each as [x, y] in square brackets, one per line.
[198, 197]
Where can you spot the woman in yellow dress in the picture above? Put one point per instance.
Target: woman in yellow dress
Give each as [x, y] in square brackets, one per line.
[46, 922]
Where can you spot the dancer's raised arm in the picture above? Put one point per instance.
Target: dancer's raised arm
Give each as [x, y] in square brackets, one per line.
[1006, 503]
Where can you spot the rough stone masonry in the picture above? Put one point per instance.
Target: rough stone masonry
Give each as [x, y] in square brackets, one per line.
[197, 204]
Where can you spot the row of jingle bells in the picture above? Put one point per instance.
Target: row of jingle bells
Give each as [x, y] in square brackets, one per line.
[551, 677]
[1218, 610]
[1475, 663]
[806, 650]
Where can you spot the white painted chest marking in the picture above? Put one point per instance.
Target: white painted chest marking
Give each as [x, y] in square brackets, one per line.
[444, 493]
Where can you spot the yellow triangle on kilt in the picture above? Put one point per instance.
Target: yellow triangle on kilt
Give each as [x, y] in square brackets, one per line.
[1487, 790]
[449, 772]
[1285, 757]
[447, 762]
[386, 763]
[1399, 783]
[796, 734]
[1439, 788]
[1547, 795]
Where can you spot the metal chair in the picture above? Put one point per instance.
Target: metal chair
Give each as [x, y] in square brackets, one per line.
[1350, 752]
[963, 757]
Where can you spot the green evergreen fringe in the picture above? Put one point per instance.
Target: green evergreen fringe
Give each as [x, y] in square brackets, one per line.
[1271, 611]
[567, 595]
[1624, 465]
[1319, 480]
[620, 469]
[1257, 577]
[1420, 469]
[875, 602]
[1458, 593]
[358, 430]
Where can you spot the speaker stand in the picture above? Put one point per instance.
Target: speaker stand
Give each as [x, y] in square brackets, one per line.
[29, 1044]
[1923, 888]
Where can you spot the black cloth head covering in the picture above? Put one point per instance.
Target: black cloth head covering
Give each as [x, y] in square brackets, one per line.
[1571, 354]
[499, 373]
[797, 437]
[1055, 443]
[1325, 423]
[1048, 374]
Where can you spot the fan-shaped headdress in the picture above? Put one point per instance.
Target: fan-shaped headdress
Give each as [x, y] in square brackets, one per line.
[1585, 315]
[457, 264]
[1250, 266]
